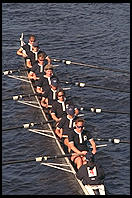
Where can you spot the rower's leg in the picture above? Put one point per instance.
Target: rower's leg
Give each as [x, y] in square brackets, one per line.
[77, 161]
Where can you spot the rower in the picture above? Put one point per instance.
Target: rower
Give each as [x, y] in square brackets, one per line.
[78, 140]
[91, 174]
[59, 107]
[38, 67]
[45, 80]
[50, 94]
[24, 50]
[66, 124]
[33, 55]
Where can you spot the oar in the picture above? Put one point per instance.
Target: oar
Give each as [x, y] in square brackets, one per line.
[113, 140]
[99, 110]
[13, 71]
[21, 40]
[17, 97]
[28, 125]
[39, 159]
[10, 71]
[20, 96]
[67, 62]
[82, 84]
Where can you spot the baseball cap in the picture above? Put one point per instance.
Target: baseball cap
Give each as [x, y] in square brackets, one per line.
[35, 44]
[54, 82]
[70, 110]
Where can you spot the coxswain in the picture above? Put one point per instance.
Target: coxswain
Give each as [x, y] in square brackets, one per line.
[91, 174]
[50, 94]
[38, 67]
[25, 49]
[59, 107]
[45, 80]
[66, 124]
[78, 139]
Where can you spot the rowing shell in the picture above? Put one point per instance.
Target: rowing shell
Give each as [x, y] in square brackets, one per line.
[68, 165]
[87, 189]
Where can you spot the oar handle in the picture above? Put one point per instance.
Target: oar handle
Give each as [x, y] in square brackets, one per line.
[113, 140]
[17, 97]
[28, 125]
[99, 110]
[14, 70]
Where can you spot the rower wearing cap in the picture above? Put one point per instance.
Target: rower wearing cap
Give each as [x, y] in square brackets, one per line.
[50, 94]
[25, 50]
[30, 51]
[59, 107]
[33, 54]
[66, 124]
[91, 173]
[45, 80]
[78, 139]
[38, 66]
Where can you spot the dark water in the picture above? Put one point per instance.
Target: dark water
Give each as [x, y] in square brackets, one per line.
[96, 34]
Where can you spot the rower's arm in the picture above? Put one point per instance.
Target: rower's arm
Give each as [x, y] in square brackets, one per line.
[32, 75]
[54, 117]
[92, 142]
[44, 102]
[28, 63]
[48, 59]
[59, 132]
[39, 89]
[76, 111]
[73, 148]
[20, 53]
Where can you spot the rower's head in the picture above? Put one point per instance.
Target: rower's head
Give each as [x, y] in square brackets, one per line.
[32, 39]
[41, 58]
[48, 69]
[70, 110]
[35, 46]
[54, 83]
[79, 125]
[60, 95]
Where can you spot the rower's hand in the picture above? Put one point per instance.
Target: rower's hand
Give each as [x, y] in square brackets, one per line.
[84, 152]
[24, 55]
[93, 152]
[58, 120]
[60, 136]
[46, 106]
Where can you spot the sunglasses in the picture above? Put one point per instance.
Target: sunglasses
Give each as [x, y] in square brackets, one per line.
[80, 127]
[61, 96]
